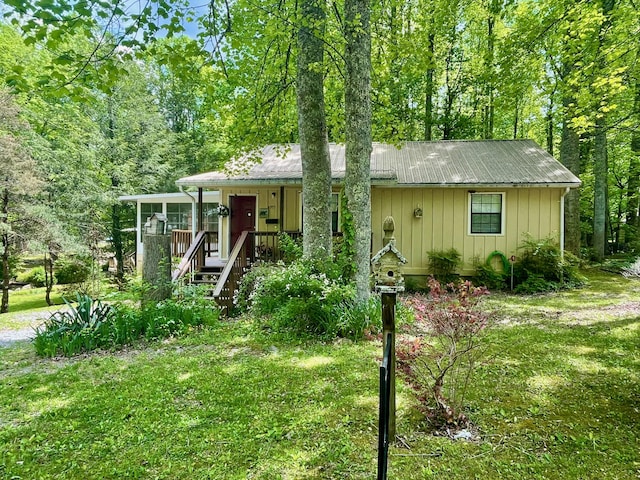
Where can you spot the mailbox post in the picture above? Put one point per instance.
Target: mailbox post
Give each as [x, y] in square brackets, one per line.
[388, 283]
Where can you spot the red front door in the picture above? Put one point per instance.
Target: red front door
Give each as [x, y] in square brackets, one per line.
[243, 216]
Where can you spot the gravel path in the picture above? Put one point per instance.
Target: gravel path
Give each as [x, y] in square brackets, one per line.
[30, 320]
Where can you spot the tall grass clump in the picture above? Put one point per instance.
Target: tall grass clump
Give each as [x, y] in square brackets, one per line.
[89, 324]
[306, 298]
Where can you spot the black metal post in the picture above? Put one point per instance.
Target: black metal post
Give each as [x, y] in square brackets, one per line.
[389, 336]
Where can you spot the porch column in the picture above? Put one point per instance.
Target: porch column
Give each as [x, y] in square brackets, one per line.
[200, 226]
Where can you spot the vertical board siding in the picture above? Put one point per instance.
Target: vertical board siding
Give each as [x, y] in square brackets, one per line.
[445, 222]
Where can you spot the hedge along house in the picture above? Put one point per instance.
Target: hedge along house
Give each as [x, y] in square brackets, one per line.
[475, 196]
[180, 210]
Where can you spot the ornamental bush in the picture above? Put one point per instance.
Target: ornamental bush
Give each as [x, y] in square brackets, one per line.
[441, 359]
[34, 277]
[541, 267]
[305, 298]
[72, 270]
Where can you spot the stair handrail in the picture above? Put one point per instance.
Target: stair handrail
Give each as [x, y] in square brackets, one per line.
[228, 268]
[186, 263]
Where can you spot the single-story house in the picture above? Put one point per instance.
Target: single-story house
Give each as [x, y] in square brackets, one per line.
[475, 196]
[179, 209]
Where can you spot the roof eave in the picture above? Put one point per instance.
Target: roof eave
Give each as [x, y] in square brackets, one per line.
[489, 185]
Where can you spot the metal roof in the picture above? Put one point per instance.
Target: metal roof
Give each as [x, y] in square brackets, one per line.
[168, 197]
[468, 163]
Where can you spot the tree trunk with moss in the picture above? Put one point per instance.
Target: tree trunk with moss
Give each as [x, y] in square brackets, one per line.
[312, 129]
[156, 267]
[358, 136]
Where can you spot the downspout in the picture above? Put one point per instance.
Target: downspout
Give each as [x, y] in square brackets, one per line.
[564, 194]
[194, 203]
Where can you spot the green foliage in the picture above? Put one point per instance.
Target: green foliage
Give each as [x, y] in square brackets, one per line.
[541, 268]
[557, 400]
[81, 328]
[346, 252]
[486, 274]
[72, 270]
[305, 298]
[443, 264]
[34, 277]
[290, 249]
[91, 324]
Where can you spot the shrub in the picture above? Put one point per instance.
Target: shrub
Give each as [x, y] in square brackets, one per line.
[72, 270]
[541, 267]
[487, 276]
[304, 298]
[92, 324]
[444, 263]
[34, 276]
[290, 249]
[441, 361]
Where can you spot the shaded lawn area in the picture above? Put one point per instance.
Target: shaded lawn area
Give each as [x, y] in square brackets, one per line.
[30, 298]
[558, 398]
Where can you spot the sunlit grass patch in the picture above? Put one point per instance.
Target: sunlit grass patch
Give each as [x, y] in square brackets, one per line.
[554, 400]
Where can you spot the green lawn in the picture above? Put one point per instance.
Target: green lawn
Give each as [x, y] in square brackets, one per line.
[558, 398]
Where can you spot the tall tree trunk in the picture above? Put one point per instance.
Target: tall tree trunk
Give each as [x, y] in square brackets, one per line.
[600, 165]
[632, 232]
[549, 129]
[600, 190]
[570, 158]
[428, 104]
[358, 135]
[6, 274]
[489, 95]
[312, 129]
[116, 235]
[516, 119]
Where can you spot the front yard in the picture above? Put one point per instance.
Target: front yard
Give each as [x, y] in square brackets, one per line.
[559, 397]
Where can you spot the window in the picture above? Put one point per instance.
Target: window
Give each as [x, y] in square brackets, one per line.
[210, 214]
[335, 206]
[486, 213]
[178, 216]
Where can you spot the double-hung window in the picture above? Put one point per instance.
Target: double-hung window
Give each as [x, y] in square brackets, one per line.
[486, 213]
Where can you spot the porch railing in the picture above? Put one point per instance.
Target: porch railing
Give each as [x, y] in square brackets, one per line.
[194, 258]
[230, 277]
[181, 241]
[266, 246]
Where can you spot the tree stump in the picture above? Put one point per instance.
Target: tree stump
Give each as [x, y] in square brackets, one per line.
[156, 267]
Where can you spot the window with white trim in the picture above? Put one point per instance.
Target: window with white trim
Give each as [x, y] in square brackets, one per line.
[486, 213]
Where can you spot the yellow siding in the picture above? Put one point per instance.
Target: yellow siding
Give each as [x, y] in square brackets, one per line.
[265, 200]
[445, 222]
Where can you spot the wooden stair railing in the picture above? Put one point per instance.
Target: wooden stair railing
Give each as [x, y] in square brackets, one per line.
[232, 274]
[193, 260]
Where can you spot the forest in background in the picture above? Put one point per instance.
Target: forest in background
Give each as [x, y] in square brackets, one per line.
[106, 98]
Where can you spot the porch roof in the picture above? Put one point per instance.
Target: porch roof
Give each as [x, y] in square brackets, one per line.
[456, 163]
